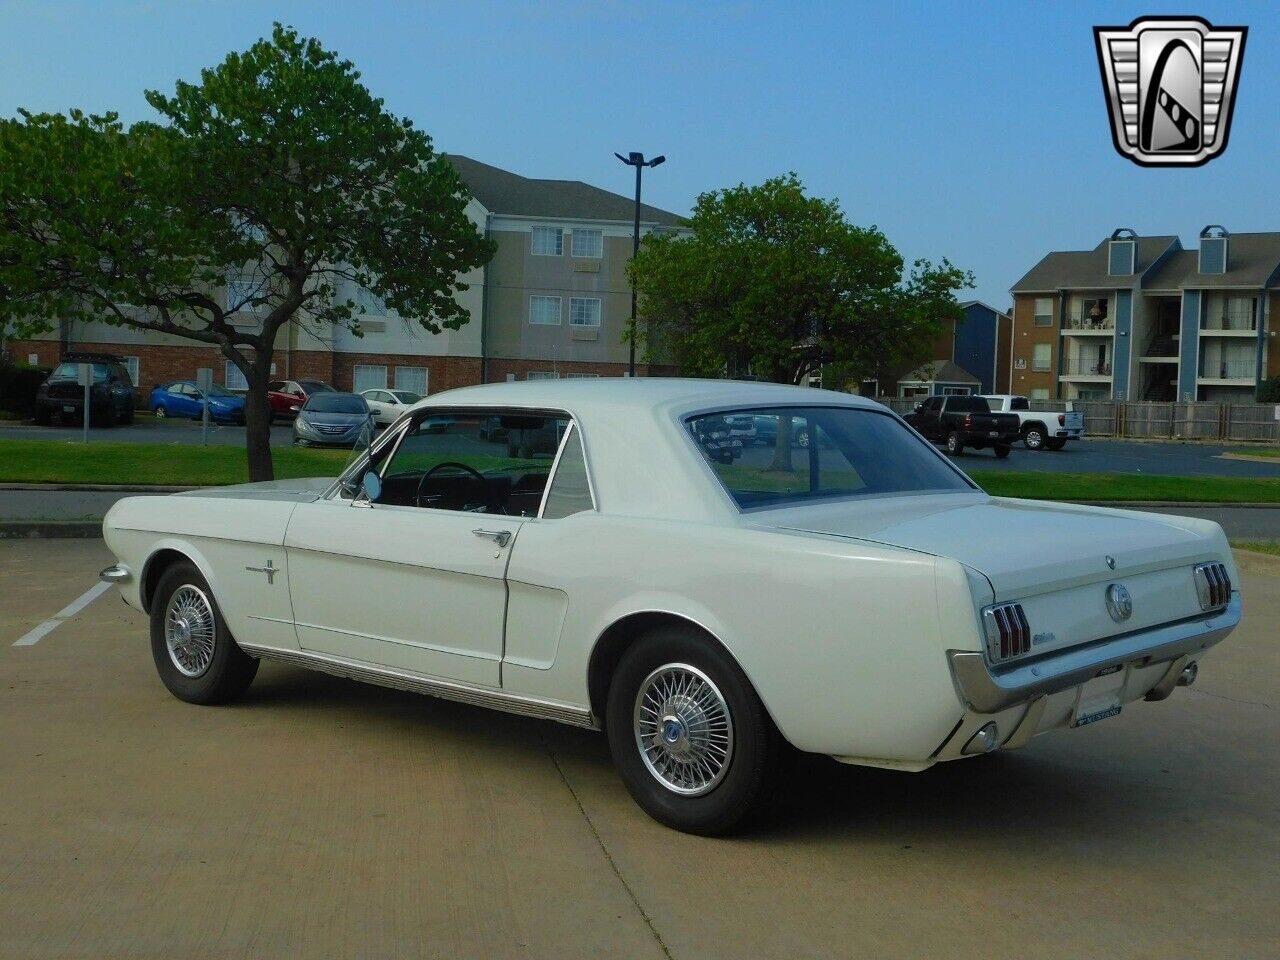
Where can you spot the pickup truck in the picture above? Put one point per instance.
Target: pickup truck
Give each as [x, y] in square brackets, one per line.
[1041, 429]
[959, 422]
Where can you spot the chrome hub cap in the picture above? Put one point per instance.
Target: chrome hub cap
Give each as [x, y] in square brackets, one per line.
[189, 631]
[683, 729]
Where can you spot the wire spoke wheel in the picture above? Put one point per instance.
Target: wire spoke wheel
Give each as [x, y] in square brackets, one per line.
[189, 630]
[683, 729]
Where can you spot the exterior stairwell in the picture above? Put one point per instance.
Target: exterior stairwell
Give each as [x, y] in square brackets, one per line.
[1162, 345]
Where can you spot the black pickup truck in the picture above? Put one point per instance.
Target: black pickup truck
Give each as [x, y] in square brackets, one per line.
[959, 422]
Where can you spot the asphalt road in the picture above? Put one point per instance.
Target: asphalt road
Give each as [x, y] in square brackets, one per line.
[146, 429]
[322, 818]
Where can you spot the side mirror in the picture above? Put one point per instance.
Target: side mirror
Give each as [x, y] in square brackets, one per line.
[919, 407]
[371, 485]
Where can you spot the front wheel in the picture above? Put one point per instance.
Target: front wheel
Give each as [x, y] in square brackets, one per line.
[689, 736]
[1002, 450]
[955, 446]
[159, 412]
[1033, 438]
[194, 652]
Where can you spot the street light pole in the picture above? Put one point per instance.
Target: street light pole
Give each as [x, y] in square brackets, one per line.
[638, 161]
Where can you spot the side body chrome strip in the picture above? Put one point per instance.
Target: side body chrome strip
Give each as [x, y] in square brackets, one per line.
[445, 689]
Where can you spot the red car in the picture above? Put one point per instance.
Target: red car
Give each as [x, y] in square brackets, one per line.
[286, 397]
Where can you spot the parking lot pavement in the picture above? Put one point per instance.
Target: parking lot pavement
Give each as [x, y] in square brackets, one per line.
[1165, 459]
[323, 818]
[146, 429]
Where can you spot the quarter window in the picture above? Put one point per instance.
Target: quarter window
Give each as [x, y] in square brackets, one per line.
[587, 243]
[547, 242]
[544, 311]
[584, 312]
[570, 490]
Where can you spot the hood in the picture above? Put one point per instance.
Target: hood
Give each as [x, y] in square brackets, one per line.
[231, 402]
[302, 490]
[1022, 547]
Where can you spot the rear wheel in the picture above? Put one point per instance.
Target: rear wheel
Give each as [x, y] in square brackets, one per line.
[955, 446]
[195, 655]
[689, 736]
[1002, 450]
[1055, 443]
[159, 412]
[43, 415]
[1033, 437]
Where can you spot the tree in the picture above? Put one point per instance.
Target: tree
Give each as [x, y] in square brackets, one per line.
[778, 283]
[278, 171]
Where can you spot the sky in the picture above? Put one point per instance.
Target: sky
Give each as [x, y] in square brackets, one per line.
[972, 131]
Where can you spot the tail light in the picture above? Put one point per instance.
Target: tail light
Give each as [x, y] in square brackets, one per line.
[1007, 629]
[1213, 585]
[1062, 419]
[968, 420]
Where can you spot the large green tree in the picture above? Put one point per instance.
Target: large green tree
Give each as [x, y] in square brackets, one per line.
[778, 283]
[278, 170]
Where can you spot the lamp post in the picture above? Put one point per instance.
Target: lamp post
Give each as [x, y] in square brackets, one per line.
[638, 161]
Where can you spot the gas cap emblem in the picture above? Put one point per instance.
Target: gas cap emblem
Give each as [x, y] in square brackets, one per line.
[1119, 602]
[1111, 563]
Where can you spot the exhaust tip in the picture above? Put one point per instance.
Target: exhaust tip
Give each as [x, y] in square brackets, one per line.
[1189, 674]
[985, 740]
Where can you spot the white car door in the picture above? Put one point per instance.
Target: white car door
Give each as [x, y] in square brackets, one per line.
[377, 401]
[415, 580]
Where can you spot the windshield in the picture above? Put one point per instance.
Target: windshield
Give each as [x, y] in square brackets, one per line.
[967, 405]
[812, 453]
[217, 391]
[336, 403]
[71, 371]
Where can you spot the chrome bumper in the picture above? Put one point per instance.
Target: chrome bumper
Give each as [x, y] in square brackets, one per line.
[116, 573]
[987, 692]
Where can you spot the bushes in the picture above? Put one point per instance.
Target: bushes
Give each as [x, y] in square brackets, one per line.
[1269, 390]
[18, 385]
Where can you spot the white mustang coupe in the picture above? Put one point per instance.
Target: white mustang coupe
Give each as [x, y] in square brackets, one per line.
[574, 551]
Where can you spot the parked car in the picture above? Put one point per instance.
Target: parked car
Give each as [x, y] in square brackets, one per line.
[388, 405]
[766, 433]
[183, 398]
[966, 421]
[333, 419]
[111, 394]
[1041, 429]
[716, 439]
[711, 618]
[286, 397]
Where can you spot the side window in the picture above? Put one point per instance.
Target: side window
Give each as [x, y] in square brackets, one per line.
[570, 490]
[465, 462]
[275, 386]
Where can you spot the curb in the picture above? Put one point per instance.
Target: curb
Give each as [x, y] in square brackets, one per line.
[51, 530]
[99, 487]
[1251, 561]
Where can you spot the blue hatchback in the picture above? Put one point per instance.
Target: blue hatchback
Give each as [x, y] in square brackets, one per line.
[182, 398]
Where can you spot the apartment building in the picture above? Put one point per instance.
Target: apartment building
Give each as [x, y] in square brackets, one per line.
[1143, 318]
[970, 355]
[553, 302]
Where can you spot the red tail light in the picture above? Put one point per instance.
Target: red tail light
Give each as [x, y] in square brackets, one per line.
[968, 420]
[1007, 629]
[1062, 419]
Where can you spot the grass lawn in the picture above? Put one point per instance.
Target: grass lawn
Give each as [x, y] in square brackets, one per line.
[1258, 546]
[1269, 453]
[1127, 486]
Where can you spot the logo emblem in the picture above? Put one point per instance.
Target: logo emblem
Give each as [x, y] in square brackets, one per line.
[1111, 563]
[1170, 84]
[1119, 602]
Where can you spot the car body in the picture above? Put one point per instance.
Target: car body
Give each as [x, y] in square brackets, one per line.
[965, 421]
[286, 397]
[863, 600]
[184, 398]
[1041, 429]
[111, 394]
[388, 405]
[333, 419]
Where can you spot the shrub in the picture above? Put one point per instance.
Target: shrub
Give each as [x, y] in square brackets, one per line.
[1269, 390]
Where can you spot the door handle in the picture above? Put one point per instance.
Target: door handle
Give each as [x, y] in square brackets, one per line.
[500, 537]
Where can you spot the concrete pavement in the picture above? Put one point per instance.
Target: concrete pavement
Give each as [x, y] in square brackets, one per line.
[322, 818]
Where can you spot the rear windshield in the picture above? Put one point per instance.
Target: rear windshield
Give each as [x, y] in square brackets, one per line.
[315, 386]
[967, 405]
[799, 454]
[331, 402]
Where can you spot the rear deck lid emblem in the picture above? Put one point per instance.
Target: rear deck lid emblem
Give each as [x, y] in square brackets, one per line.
[1119, 602]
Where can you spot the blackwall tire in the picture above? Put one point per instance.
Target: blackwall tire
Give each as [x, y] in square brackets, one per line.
[714, 755]
[197, 658]
[955, 446]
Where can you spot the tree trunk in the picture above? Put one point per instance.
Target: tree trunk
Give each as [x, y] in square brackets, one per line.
[782, 448]
[257, 418]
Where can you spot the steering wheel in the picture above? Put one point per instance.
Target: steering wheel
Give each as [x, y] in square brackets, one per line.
[418, 498]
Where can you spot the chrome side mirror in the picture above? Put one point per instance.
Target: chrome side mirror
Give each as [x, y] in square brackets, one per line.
[371, 486]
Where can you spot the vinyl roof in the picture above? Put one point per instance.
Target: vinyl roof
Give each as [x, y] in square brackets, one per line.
[504, 192]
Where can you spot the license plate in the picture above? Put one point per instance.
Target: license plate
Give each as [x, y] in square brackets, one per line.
[994, 433]
[1089, 718]
[67, 409]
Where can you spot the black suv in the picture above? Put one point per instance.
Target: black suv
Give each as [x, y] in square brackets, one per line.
[111, 394]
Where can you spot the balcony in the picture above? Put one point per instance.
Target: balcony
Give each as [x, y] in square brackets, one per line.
[1080, 367]
[1232, 371]
[1240, 325]
[1100, 326]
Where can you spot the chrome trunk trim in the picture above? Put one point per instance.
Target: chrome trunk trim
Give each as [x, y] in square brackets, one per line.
[988, 692]
[445, 689]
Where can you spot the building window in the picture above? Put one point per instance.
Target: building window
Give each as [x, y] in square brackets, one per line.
[956, 391]
[240, 290]
[368, 376]
[233, 377]
[1039, 393]
[1044, 312]
[1041, 356]
[548, 241]
[131, 364]
[544, 311]
[584, 312]
[582, 376]
[1225, 312]
[542, 375]
[413, 379]
[587, 243]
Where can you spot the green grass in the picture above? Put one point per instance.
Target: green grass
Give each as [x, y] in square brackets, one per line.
[1127, 486]
[1258, 546]
[1269, 453]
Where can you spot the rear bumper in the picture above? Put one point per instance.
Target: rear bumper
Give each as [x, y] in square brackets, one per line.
[984, 438]
[1069, 434]
[984, 691]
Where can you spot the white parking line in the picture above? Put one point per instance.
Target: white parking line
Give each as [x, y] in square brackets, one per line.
[34, 636]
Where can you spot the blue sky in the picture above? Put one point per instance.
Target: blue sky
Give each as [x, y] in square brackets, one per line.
[972, 131]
